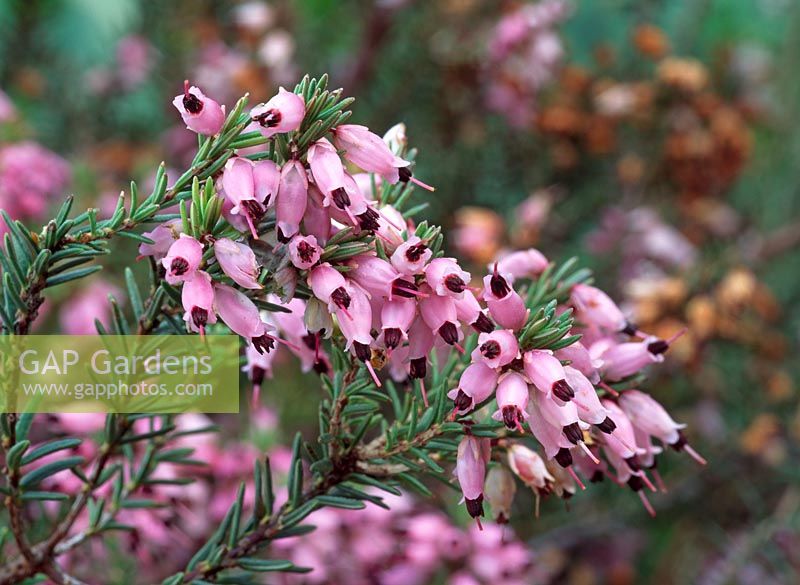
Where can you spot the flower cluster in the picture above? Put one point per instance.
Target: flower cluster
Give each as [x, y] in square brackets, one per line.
[406, 545]
[563, 397]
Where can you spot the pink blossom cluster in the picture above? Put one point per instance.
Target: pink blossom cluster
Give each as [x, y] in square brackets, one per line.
[564, 398]
[405, 545]
[524, 55]
[30, 178]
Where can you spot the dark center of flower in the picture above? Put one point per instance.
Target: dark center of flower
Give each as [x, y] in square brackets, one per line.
[607, 426]
[405, 174]
[483, 324]
[462, 401]
[179, 266]
[449, 333]
[369, 220]
[269, 119]
[363, 352]
[341, 298]
[499, 286]
[192, 103]
[254, 209]
[475, 507]
[573, 433]
[563, 391]
[415, 252]
[404, 288]
[658, 347]
[418, 368]
[392, 337]
[263, 343]
[340, 198]
[257, 375]
[564, 457]
[490, 349]
[199, 317]
[455, 283]
[512, 416]
[305, 251]
[310, 340]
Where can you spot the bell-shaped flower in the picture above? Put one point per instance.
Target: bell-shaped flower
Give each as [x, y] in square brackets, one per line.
[420, 343]
[625, 359]
[512, 401]
[522, 264]
[283, 113]
[304, 251]
[446, 277]
[200, 113]
[580, 359]
[439, 313]
[499, 491]
[505, 305]
[183, 259]
[476, 384]
[594, 307]
[496, 349]
[238, 261]
[197, 297]
[471, 313]
[249, 188]
[163, 236]
[329, 286]
[411, 256]
[547, 374]
[242, 317]
[290, 206]
[471, 459]
[397, 316]
[587, 401]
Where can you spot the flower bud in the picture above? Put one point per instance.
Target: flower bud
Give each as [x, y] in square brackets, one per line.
[499, 490]
[238, 262]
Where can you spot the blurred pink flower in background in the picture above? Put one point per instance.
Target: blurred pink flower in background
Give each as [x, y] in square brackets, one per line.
[78, 314]
[30, 178]
[7, 110]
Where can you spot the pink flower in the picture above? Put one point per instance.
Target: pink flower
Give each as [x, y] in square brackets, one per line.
[530, 468]
[420, 343]
[367, 151]
[397, 316]
[473, 454]
[284, 112]
[496, 349]
[30, 176]
[649, 417]
[250, 188]
[581, 360]
[292, 199]
[356, 325]
[586, 400]
[183, 259]
[625, 359]
[512, 400]
[304, 251]
[201, 114]
[595, 307]
[329, 286]
[547, 374]
[376, 276]
[238, 262]
[522, 264]
[469, 311]
[505, 305]
[476, 384]
[439, 313]
[241, 315]
[78, 314]
[328, 172]
[163, 236]
[411, 256]
[317, 220]
[446, 277]
[564, 417]
[197, 297]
